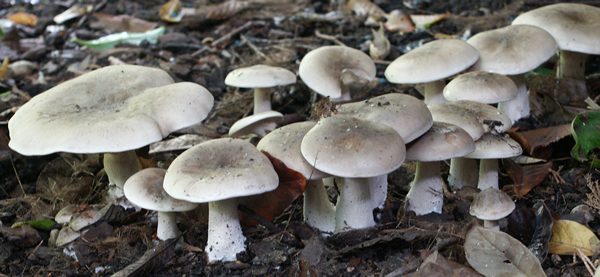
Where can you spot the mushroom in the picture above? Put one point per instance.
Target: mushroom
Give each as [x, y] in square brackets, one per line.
[218, 172]
[491, 205]
[321, 70]
[509, 51]
[355, 151]
[481, 86]
[430, 64]
[260, 77]
[284, 144]
[145, 189]
[443, 141]
[406, 114]
[489, 149]
[112, 110]
[576, 29]
[259, 124]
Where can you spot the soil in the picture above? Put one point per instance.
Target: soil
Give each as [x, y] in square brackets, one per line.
[34, 188]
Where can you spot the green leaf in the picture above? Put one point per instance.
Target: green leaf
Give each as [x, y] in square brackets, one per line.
[108, 42]
[41, 224]
[586, 132]
[17, 224]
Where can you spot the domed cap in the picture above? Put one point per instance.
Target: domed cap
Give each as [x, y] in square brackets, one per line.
[432, 61]
[321, 69]
[259, 124]
[346, 146]
[488, 116]
[512, 50]
[145, 189]
[284, 144]
[492, 146]
[112, 109]
[458, 117]
[491, 204]
[220, 169]
[481, 86]
[406, 114]
[260, 76]
[443, 141]
[575, 27]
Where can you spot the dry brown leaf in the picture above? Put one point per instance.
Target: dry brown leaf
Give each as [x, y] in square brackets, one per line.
[125, 23]
[272, 204]
[538, 140]
[226, 9]
[23, 18]
[366, 8]
[171, 12]
[567, 236]
[495, 253]
[526, 177]
[4, 67]
[437, 266]
[399, 20]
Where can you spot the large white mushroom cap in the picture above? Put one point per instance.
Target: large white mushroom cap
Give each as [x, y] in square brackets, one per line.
[113, 109]
[260, 76]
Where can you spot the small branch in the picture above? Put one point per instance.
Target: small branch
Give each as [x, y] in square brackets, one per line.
[228, 36]
[329, 38]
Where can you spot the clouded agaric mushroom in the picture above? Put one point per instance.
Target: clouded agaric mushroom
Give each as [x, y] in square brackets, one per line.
[430, 64]
[145, 189]
[491, 205]
[443, 141]
[113, 110]
[576, 29]
[406, 114]
[321, 69]
[481, 86]
[284, 144]
[260, 77]
[510, 51]
[259, 124]
[218, 172]
[355, 151]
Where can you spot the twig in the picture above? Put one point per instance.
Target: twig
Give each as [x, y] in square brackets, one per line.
[228, 36]
[242, 208]
[254, 48]
[17, 175]
[329, 38]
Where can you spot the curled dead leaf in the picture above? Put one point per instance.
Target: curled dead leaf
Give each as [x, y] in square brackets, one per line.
[23, 18]
[171, 12]
[567, 236]
[226, 9]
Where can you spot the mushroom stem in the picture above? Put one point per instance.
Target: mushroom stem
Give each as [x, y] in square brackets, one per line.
[426, 193]
[354, 208]
[167, 226]
[488, 174]
[262, 100]
[492, 224]
[225, 237]
[345, 95]
[319, 213]
[461, 173]
[378, 187]
[517, 107]
[571, 65]
[119, 167]
[433, 92]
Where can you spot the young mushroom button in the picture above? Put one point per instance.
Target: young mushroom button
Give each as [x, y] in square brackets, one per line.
[218, 172]
[112, 110]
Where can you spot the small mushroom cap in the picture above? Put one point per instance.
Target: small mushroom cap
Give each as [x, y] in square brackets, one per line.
[112, 109]
[491, 204]
[88, 216]
[481, 86]
[458, 117]
[321, 69]
[346, 146]
[220, 169]
[284, 144]
[406, 114]
[512, 50]
[67, 235]
[145, 189]
[255, 123]
[443, 141]
[491, 146]
[432, 61]
[575, 27]
[490, 118]
[64, 215]
[260, 76]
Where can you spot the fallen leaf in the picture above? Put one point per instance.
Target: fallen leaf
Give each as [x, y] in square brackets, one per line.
[424, 21]
[526, 177]
[272, 204]
[437, 266]
[543, 233]
[399, 20]
[73, 12]
[521, 225]
[495, 253]
[23, 18]
[538, 140]
[366, 8]
[109, 42]
[226, 9]
[124, 23]
[569, 235]
[4, 67]
[586, 132]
